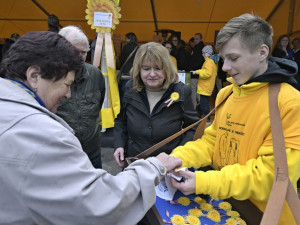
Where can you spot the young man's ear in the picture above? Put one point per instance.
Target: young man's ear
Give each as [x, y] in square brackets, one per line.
[263, 52]
[32, 75]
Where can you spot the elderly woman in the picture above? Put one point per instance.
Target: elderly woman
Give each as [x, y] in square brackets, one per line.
[155, 105]
[46, 178]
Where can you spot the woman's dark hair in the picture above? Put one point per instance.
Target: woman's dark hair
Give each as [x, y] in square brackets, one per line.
[278, 43]
[132, 37]
[52, 53]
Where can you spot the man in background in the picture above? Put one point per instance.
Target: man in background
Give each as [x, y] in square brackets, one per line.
[81, 111]
[13, 38]
[195, 63]
[53, 23]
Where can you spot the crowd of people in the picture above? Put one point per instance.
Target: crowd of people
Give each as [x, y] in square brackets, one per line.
[51, 168]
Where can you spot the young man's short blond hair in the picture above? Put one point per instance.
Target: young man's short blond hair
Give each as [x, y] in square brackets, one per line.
[253, 31]
[157, 54]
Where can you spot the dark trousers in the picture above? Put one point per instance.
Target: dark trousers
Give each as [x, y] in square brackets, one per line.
[97, 162]
[203, 107]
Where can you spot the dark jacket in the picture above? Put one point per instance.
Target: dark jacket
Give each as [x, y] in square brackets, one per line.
[181, 57]
[136, 129]
[297, 60]
[277, 52]
[196, 60]
[81, 111]
[127, 49]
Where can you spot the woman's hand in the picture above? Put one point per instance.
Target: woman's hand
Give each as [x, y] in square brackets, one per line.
[119, 156]
[170, 162]
[193, 72]
[189, 185]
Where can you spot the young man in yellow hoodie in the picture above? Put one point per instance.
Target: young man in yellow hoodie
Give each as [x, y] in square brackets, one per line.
[238, 144]
[206, 82]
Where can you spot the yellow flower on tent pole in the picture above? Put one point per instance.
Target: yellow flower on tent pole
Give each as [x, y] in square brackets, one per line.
[103, 16]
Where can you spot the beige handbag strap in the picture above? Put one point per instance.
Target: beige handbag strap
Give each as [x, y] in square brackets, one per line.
[282, 188]
[199, 132]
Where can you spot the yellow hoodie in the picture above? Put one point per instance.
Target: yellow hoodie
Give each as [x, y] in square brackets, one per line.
[239, 145]
[207, 77]
[174, 61]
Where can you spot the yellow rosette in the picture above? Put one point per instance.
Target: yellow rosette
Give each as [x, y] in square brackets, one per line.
[195, 212]
[193, 220]
[106, 6]
[177, 220]
[206, 206]
[233, 214]
[225, 206]
[199, 200]
[111, 105]
[185, 201]
[174, 97]
[231, 221]
[214, 215]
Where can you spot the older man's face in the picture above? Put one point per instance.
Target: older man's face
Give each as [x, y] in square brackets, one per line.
[83, 48]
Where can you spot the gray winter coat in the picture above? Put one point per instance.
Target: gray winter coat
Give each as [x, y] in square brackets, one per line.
[47, 179]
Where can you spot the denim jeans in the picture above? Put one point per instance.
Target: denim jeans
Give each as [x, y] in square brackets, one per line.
[203, 107]
[194, 95]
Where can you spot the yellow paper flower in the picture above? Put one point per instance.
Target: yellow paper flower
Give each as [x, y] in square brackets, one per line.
[193, 220]
[214, 215]
[199, 200]
[177, 219]
[184, 201]
[225, 206]
[233, 214]
[107, 6]
[241, 221]
[206, 206]
[174, 96]
[195, 212]
[230, 221]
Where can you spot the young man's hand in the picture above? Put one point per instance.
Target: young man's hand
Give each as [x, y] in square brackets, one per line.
[189, 185]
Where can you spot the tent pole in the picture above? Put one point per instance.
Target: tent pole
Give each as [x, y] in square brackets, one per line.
[43, 9]
[274, 10]
[295, 32]
[291, 16]
[154, 16]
